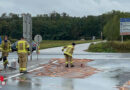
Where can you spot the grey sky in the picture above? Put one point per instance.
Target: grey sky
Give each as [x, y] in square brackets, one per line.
[72, 7]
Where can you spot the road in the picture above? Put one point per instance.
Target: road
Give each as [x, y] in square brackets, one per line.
[114, 71]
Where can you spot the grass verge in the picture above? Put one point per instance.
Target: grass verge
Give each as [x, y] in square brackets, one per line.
[111, 46]
[56, 43]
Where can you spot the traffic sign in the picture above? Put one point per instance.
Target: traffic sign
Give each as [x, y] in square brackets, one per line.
[27, 27]
[124, 26]
[38, 38]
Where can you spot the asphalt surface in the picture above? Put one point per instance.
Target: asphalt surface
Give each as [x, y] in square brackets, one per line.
[114, 71]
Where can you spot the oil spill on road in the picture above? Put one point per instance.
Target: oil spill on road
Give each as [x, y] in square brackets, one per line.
[56, 68]
[126, 86]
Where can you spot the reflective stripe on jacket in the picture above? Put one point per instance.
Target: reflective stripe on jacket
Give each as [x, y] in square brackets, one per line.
[22, 46]
[69, 50]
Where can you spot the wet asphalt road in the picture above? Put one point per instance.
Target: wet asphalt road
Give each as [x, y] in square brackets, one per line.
[115, 71]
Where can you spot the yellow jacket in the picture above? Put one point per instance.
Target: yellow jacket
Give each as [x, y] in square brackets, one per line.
[22, 46]
[69, 50]
[6, 46]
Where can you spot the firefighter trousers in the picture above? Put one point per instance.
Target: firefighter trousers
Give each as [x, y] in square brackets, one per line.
[4, 57]
[68, 59]
[22, 61]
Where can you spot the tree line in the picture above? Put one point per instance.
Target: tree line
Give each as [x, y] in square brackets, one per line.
[55, 26]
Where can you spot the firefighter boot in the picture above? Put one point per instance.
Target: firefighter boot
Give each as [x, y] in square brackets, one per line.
[5, 66]
[66, 65]
[72, 65]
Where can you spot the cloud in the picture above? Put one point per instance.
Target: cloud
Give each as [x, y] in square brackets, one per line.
[72, 7]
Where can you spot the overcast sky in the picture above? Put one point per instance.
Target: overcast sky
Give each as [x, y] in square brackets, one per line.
[72, 7]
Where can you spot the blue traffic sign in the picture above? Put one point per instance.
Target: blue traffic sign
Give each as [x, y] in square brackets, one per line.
[124, 19]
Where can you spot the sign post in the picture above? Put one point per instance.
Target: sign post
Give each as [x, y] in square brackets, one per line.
[27, 30]
[37, 39]
[124, 27]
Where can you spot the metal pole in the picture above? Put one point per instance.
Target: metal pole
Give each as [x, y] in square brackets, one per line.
[31, 36]
[37, 56]
[31, 51]
[37, 50]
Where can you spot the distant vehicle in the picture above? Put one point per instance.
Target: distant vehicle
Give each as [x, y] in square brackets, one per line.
[13, 46]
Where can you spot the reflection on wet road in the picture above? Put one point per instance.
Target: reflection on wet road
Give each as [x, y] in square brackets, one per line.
[115, 71]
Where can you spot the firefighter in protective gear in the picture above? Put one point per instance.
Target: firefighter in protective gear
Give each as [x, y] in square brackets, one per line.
[6, 48]
[22, 49]
[68, 54]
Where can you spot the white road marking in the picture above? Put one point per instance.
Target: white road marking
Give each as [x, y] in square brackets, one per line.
[19, 74]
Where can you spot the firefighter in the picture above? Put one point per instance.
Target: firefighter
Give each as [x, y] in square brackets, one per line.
[22, 49]
[68, 54]
[6, 48]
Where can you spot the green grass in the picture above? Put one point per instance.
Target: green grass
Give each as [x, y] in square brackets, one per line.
[114, 46]
[56, 43]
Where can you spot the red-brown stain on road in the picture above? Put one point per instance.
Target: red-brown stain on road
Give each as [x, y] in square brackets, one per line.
[56, 68]
[126, 86]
